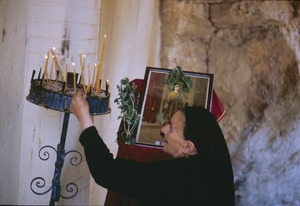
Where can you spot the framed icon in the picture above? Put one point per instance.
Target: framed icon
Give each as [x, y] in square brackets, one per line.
[160, 100]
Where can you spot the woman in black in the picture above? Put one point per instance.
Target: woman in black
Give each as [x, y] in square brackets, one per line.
[200, 174]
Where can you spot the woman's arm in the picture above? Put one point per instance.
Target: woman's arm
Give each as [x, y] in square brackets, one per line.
[80, 108]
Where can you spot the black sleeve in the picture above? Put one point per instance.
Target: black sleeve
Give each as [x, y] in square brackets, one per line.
[135, 179]
[97, 154]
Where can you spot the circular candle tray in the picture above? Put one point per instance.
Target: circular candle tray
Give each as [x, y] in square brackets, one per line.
[54, 95]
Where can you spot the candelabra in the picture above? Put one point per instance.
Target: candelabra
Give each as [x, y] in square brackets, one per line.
[56, 95]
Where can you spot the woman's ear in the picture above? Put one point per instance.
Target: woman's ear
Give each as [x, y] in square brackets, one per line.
[189, 148]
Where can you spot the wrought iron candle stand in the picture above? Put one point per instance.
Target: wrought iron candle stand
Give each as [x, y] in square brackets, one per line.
[57, 96]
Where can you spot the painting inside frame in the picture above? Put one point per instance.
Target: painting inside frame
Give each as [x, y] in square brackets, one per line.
[159, 102]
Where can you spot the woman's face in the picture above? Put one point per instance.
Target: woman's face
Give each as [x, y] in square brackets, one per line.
[176, 88]
[174, 141]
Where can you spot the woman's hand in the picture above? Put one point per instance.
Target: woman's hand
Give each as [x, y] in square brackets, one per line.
[80, 108]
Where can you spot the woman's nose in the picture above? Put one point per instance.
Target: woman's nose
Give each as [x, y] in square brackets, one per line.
[165, 129]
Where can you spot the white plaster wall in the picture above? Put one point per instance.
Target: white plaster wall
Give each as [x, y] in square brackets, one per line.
[28, 29]
[54, 24]
[13, 26]
[133, 43]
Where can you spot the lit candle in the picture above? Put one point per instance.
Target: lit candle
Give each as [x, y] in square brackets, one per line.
[84, 61]
[74, 78]
[107, 85]
[83, 66]
[46, 64]
[56, 73]
[102, 52]
[82, 71]
[97, 77]
[57, 65]
[100, 64]
[51, 70]
[53, 61]
[45, 71]
[87, 88]
[94, 76]
[80, 64]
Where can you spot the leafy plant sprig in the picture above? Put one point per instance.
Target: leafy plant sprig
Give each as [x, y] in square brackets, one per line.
[128, 103]
[176, 76]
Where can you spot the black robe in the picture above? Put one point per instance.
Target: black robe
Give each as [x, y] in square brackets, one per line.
[202, 179]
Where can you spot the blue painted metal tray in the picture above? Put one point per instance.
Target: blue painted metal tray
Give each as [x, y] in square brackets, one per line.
[55, 96]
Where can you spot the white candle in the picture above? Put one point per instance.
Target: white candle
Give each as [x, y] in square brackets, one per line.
[57, 65]
[45, 71]
[51, 70]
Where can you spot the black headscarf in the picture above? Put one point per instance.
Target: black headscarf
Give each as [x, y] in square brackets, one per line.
[202, 128]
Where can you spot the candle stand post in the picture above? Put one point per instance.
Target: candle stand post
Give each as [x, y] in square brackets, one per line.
[60, 152]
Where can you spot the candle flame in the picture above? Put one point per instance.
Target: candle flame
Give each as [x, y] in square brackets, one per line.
[46, 56]
[53, 48]
[95, 64]
[104, 35]
[84, 55]
[73, 63]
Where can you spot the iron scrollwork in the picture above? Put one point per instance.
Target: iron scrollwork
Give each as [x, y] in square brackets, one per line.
[74, 159]
[38, 184]
[69, 188]
[44, 155]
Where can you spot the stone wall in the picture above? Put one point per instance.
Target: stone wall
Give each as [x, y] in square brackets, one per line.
[252, 48]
